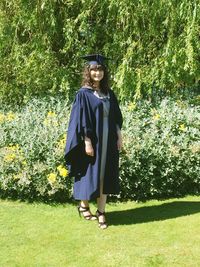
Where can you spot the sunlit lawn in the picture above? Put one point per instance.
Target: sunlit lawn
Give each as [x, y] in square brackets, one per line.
[155, 233]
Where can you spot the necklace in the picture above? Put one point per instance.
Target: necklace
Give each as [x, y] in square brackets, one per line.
[101, 95]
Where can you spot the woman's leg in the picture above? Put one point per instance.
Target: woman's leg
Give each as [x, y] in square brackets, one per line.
[101, 201]
[101, 204]
[86, 213]
[84, 203]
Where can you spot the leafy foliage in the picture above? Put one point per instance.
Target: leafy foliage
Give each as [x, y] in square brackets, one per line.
[154, 46]
[160, 156]
[161, 152]
[32, 144]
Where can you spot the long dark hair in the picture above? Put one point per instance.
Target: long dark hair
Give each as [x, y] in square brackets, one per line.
[87, 81]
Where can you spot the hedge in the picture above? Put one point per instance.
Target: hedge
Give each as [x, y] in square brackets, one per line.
[160, 156]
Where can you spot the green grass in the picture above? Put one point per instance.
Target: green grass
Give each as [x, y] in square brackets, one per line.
[155, 233]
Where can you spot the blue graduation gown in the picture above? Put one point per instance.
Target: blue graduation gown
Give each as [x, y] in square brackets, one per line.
[86, 119]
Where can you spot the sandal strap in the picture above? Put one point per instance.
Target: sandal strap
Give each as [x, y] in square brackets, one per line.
[100, 213]
[102, 223]
[89, 216]
[82, 209]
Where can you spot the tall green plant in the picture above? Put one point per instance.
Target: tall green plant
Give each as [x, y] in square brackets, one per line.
[154, 45]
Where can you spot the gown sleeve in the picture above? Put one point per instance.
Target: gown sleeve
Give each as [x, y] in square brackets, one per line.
[117, 112]
[80, 125]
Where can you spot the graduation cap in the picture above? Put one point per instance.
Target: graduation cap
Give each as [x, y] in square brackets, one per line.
[95, 59]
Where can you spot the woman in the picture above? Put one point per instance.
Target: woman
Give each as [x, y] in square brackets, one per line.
[94, 140]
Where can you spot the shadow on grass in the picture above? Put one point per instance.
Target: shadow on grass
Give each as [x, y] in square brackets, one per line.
[153, 213]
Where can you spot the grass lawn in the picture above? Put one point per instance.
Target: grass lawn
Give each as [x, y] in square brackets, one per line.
[155, 233]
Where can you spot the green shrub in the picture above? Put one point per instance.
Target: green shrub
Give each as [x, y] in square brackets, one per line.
[160, 156]
[31, 150]
[161, 153]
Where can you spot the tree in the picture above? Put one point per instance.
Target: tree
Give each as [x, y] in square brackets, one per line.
[154, 46]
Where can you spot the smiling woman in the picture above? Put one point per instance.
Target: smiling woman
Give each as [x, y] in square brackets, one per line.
[95, 74]
[94, 140]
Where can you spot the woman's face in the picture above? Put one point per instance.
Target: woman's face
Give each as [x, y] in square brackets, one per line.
[96, 73]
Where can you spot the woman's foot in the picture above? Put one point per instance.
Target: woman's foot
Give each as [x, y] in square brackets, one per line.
[101, 219]
[86, 213]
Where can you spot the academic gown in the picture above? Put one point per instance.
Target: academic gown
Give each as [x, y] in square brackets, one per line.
[86, 119]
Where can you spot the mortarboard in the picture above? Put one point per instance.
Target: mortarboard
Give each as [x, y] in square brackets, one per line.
[95, 59]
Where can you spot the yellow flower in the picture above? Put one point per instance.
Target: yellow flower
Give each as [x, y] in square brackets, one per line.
[62, 171]
[24, 162]
[10, 116]
[52, 177]
[51, 114]
[14, 148]
[17, 176]
[51, 119]
[13, 153]
[132, 106]
[61, 143]
[59, 167]
[10, 157]
[156, 117]
[182, 127]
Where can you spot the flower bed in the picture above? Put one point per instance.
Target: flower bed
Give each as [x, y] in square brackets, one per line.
[160, 156]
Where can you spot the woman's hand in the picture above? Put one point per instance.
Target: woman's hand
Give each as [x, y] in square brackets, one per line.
[88, 147]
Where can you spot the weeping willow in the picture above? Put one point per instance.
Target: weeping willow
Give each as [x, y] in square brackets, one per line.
[153, 46]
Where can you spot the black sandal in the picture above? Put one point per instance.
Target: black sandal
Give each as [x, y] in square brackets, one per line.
[90, 217]
[102, 225]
